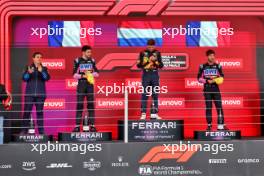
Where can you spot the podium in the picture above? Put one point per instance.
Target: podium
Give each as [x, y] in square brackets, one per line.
[217, 135]
[152, 130]
[32, 138]
[85, 136]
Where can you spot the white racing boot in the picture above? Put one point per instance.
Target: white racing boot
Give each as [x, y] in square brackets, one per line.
[155, 117]
[143, 116]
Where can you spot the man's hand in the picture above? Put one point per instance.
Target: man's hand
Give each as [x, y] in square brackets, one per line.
[40, 68]
[211, 81]
[30, 70]
[153, 58]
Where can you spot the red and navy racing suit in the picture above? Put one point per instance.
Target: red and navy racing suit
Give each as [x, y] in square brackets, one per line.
[35, 95]
[84, 88]
[150, 77]
[211, 91]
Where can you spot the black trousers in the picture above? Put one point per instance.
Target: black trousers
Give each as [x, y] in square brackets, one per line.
[150, 79]
[84, 89]
[213, 95]
[39, 104]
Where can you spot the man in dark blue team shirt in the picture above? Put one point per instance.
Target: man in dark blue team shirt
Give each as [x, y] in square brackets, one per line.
[35, 76]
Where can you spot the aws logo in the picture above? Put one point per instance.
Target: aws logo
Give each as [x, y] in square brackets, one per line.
[158, 153]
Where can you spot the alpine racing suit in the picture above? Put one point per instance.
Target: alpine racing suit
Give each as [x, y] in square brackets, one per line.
[211, 91]
[150, 77]
[84, 88]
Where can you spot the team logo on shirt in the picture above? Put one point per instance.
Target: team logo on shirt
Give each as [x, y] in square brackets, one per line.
[210, 72]
[86, 67]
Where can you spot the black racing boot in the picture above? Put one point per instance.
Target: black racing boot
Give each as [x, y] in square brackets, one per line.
[209, 127]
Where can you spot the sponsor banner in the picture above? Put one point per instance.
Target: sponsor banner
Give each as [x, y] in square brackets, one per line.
[172, 61]
[232, 102]
[171, 102]
[192, 83]
[175, 61]
[161, 130]
[232, 64]
[186, 158]
[133, 82]
[53, 103]
[112, 103]
[54, 64]
[71, 84]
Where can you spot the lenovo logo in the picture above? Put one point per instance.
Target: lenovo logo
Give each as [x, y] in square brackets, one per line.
[54, 104]
[71, 84]
[171, 102]
[114, 103]
[192, 83]
[54, 64]
[232, 102]
[231, 63]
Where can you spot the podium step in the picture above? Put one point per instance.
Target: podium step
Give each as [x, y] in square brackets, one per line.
[217, 135]
[153, 130]
[85, 136]
[31, 138]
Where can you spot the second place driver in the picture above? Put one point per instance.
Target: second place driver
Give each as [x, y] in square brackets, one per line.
[84, 71]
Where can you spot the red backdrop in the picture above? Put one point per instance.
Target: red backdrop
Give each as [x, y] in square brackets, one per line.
[240, 91]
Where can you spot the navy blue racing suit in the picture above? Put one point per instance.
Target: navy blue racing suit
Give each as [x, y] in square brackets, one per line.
[150, 77]
[211, 91]
[84, 88]
[35, 95]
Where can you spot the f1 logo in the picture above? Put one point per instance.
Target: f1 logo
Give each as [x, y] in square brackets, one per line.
[150, 7]
[158, 153]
